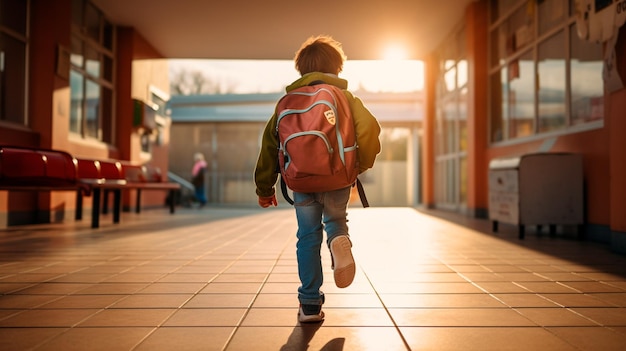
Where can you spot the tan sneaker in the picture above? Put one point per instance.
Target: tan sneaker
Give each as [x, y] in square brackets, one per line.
[310, 313]
[343, 262]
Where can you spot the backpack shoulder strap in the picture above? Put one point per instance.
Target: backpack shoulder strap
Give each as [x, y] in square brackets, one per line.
[361, 190]
[283, 188]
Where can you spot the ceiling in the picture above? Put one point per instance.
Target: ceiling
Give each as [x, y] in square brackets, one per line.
[274, 29]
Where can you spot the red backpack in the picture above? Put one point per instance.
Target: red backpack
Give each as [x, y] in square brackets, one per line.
[317, 142]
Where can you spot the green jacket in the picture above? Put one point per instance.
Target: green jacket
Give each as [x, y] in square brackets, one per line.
[366, 127]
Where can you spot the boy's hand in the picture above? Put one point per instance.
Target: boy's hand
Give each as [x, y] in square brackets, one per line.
[268, 201]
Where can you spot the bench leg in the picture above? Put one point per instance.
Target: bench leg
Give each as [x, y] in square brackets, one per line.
[172, 202]
[138, 201]
[117, 205]
[95, 209]
[79, 205]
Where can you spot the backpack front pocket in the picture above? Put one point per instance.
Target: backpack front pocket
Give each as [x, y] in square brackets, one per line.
[307, 153]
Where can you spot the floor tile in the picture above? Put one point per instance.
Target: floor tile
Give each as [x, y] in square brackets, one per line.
[172, 288]
[555, 317]
[187, 278]
[592, 339]
[335, 317]
[20, 339]
[152, 301]
[459, 317]
[187, 339]
[128, 318]
[234, 288]
[95, 339]
[483, 339]
[546, 287]
[501, 287]
[615, 299]
[317, 337]
[614, 317]
[220, 300]
[396, 301]
[25, 301]
[203, 317]
[57, 318]
[592, 287]
[525, 300]
[82, 301]
[427, 288]
[576, 300]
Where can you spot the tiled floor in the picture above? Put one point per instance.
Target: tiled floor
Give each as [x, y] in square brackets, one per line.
[226, 279]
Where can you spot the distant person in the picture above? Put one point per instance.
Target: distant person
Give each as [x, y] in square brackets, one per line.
[197, 178]
[319, 59]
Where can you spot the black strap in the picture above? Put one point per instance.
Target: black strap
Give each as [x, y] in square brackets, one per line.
[283, 188]
[358, 184]
[361, 190]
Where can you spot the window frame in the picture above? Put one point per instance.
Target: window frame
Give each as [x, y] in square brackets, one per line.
[24, 38]
[496, 69]
[104, 50]
[450, 113]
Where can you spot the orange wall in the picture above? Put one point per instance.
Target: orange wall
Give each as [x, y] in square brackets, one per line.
[476, 30]
[50, 28]
[132, 46]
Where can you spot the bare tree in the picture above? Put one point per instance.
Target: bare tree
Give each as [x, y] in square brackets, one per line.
[194, 82]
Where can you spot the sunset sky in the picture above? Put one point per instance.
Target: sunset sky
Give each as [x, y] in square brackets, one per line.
[254, 76]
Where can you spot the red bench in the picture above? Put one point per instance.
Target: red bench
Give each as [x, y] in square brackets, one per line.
[142, 177]
[101, 177]
[39, 170]
[112, 176]
[29, 169]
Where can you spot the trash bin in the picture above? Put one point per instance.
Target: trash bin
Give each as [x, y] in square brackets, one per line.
[536, 189]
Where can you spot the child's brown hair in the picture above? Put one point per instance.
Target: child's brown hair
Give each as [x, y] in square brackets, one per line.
[320, 54]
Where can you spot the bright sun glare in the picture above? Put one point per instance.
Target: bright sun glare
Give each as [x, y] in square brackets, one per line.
[394, 52]
[385, 75]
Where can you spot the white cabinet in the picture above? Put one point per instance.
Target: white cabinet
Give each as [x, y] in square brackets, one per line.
[536, 189]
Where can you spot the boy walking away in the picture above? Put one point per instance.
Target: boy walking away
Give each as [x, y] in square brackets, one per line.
[319, 61]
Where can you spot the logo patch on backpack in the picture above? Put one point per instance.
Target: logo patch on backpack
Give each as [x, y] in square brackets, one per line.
[330, 116]
[317, 142]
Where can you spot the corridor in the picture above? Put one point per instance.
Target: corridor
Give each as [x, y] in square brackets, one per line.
[226, 279]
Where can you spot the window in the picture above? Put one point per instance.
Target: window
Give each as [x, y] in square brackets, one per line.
[521, 96]
[587, 89]
[543, 78]
[91, 77]
[551, 75]
[157, 109]
[13, 60]
[451, 124]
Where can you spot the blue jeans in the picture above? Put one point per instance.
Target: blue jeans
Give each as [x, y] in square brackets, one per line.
[316, 212]
[199, 195]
